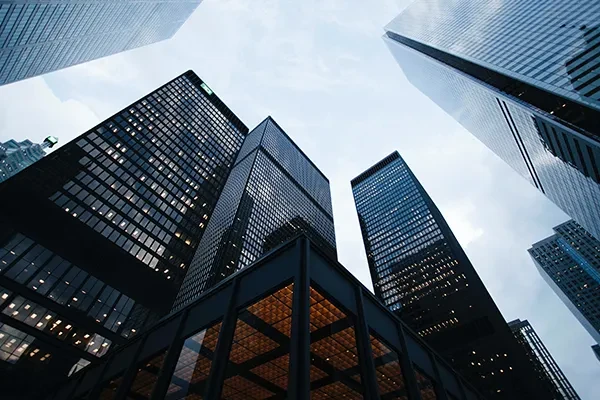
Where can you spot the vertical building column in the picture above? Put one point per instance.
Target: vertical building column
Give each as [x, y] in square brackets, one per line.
[365, 353]
[440, 390]
[165, 373]
[221, 358]
[299, 371]
[97, 388]
[128, 376]
[410, 377]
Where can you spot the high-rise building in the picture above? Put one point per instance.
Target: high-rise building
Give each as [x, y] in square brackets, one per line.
[541, 358]
[38, 36]
[16, 156]
[522, 76]
[569, 261]
[420, 271]
[95, 238]
[293, 325]
[273, 193]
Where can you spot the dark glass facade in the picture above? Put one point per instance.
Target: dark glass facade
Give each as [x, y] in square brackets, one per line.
[522, 79]
[16, 156]
[420, 271]
[273, 193]
[596, 350]
[569, 261]
[295, 324]
[541, 358]
[123, 207]
[38, 36]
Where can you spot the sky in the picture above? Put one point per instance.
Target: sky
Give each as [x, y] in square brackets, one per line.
[322, 71]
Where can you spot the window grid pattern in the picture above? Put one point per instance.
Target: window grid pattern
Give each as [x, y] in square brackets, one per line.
[262, 206]
[570, 262]
[552, 44]
[558, 161]
[542, 359]
[37, 37]
[15, 344]
[419, 271]
[16, 156]
[150, 175]
[26, 262]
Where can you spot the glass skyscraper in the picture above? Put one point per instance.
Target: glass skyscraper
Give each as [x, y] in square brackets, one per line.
[569, 261]
[545, 365]
[274, 192]
[16, 156]
[420, 271]
[38, 36]
[522, 76]
[96, 237]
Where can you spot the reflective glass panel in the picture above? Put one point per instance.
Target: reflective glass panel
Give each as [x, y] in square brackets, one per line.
[390, 380]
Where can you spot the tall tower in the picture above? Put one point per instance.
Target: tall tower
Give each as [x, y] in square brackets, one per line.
[95, 238]
[16, 156]
[522, 76]
[569, 261]
[39, 36]
[541, 358]
[274, 192]
[420, 271]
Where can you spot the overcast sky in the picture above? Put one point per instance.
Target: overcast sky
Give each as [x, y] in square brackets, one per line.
[322, 71]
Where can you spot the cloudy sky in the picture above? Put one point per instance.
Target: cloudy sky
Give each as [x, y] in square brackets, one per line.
[322, 71]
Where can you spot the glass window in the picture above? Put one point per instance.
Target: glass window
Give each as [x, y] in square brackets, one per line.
[426, 387]
[334, 370]
[390, 379]
[193, 366]
[259, 356]
[110, 388]
[146, 377]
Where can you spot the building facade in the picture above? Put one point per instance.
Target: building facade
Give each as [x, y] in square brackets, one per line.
[295, 324]
[123, 207]
[569, 261]
[38, 36]
[596, 350]
[420, 271]
[274, 192]
[539, 355]
[16, 156]
[522, 76]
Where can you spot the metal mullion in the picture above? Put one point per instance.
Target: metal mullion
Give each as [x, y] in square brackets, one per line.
[299, 367]
[439, 387]
[164, 375]
[130, 373]
[216, 376]
[365, 352]
[408, 370]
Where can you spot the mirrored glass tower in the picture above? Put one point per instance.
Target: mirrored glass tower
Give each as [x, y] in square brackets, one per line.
[38, 36]
[420, 271]
[16, 156]
[522, 76]
[95, 238]
[274, 193]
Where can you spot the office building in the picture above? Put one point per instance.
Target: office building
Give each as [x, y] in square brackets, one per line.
[569, 261]
[274, 192]
[16, 156]
[38, 36]
[522, 76]
[539, 355]
[95, 238]
[420, 271]
[295, 324]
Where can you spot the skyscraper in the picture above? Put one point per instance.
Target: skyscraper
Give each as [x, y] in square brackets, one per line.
[596, 350]
[420, 271]
[95, 238]
[541, 358]
[16, 156]
[522, 76]
[38, 36]
[569, 261]
[273, 193]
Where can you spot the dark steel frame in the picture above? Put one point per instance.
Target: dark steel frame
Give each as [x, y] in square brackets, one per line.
[298, 261]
